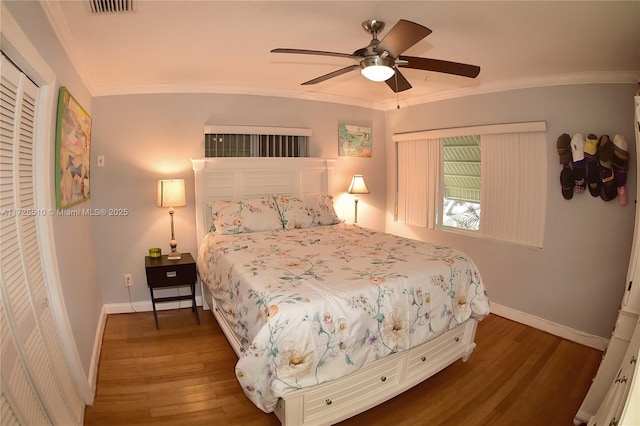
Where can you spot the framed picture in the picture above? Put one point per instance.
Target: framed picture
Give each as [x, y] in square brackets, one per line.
[354, 141]
[73, 151]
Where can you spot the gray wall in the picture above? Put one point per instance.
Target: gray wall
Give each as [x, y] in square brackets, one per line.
[577, 278]
[149, 137]
[74, 238]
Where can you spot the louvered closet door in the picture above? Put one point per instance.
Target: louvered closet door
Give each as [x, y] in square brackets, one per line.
[37, 387]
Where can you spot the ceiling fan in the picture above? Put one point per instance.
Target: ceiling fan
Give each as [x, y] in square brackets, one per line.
[379, 61]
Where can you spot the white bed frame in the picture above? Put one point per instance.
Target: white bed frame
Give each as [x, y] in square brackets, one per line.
[331, 402]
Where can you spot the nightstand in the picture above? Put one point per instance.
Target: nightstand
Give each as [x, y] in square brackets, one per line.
[163, 273]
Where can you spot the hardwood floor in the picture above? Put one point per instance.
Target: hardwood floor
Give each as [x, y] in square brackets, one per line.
[183, 374]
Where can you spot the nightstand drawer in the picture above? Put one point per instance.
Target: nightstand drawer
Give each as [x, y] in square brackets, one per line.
[167, 273]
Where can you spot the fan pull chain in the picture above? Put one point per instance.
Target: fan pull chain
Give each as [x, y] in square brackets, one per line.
[395, 75]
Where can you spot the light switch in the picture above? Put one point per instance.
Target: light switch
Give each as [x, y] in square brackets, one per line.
[100, 160]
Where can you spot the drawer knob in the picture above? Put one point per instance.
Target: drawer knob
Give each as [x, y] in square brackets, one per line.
[328, 401]
[633, 360]
[383, 378]
[457, 339]
[423, 358]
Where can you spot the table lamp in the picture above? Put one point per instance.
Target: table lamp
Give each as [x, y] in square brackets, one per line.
[357, 187]
[171, 194]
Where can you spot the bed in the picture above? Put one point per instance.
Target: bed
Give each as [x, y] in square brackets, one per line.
[327, 319]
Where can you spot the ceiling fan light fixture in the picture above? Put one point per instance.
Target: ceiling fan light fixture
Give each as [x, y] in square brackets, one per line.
[377, 68]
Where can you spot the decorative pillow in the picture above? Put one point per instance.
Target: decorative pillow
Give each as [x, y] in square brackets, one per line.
[236, 217]
[321, 208]
[306, 211]
[293, 212]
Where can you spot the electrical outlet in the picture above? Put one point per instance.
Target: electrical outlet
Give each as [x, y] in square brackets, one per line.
[128, 280]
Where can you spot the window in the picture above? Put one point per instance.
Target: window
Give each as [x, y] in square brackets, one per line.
[243, 141]
[462, 173]
[488, 180]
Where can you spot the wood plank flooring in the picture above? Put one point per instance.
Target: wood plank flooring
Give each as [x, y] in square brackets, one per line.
[183, 374]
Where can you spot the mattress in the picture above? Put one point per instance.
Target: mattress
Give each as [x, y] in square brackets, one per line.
[316, 304]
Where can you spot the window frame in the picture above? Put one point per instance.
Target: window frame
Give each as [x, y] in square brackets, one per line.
[260, 141]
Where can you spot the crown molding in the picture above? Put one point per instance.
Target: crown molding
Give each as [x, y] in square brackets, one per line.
[56, 18]
[609, 77]
[233, 90]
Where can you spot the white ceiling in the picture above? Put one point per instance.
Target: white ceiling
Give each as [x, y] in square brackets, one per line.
[224, 46]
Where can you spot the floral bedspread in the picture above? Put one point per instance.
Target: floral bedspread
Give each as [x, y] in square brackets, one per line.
[316, 304]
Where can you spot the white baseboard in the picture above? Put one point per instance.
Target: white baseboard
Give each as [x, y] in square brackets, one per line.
[97, 349]
[146, 306]
[559, 330]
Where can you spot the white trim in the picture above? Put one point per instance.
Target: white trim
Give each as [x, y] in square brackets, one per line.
[20, 49]
[97, 349]
[562, 80]
[559, 330]
[145, 306]
[605, 77]
[58, 23]
[490, 129]
[55, 15]
[257, 130]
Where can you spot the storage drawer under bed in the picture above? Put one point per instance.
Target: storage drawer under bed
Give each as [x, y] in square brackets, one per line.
[365, 386]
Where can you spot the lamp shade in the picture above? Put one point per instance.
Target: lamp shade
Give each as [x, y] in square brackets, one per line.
[171, 193]
[358, 186]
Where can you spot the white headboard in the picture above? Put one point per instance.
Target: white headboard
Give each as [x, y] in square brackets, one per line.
[236, 178]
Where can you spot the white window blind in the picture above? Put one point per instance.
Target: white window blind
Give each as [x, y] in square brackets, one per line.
[418, 181]
[513, 179]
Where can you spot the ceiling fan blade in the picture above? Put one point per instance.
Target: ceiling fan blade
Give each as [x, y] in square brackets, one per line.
[316, 52]
[397, 82]
[437, 65]
[402, 36]
[332, 74]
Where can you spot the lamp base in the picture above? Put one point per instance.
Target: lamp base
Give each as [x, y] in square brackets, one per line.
[174, 255]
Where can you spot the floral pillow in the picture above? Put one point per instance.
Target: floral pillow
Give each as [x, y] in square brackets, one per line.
[293, 212]
[321, 207]
[242, 216]
[305, 211]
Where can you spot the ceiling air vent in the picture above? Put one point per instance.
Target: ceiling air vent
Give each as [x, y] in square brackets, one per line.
[111, 6]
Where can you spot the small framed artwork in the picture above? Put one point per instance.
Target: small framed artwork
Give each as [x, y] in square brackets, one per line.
[354, 141]
[73, 151]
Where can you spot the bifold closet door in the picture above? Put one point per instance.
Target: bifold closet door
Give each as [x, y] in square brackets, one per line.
[37, 386]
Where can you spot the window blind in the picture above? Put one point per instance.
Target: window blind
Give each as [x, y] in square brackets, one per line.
[513, 179]
[250, 141]
[462, 168]
[419, 166]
